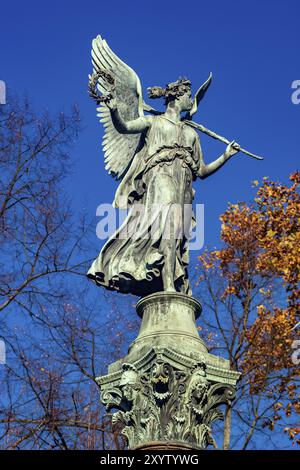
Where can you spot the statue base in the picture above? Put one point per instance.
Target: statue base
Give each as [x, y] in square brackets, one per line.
[169, 387]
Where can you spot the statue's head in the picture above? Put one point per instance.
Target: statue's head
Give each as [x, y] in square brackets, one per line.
[179, 92]
[129, 381]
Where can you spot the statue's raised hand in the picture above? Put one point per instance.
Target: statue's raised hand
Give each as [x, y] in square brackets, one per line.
[110, 102]
[232, 149]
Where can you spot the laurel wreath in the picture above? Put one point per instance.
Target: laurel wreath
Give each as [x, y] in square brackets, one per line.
[92, 86]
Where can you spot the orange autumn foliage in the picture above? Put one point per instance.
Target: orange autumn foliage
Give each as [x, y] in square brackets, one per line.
[262, 241]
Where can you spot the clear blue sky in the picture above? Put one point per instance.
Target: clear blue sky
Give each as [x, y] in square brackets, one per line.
[250, 46]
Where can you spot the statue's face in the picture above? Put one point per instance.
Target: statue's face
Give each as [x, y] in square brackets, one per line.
[185, 101]
[200, 390]
[128, 392]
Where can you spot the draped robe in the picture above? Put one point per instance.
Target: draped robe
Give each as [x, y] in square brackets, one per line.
[157, 189]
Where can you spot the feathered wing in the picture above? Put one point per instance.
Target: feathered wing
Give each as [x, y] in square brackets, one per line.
[119, 149]
[199, 95]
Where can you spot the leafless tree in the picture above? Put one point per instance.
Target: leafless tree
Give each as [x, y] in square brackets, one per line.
[57, 339]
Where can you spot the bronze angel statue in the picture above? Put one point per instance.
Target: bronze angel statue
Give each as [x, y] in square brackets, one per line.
[156, 157]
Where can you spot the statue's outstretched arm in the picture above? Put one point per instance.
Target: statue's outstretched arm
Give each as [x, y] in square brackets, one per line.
[210, 168]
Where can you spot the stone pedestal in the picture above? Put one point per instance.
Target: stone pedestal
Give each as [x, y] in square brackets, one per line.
[168, 388]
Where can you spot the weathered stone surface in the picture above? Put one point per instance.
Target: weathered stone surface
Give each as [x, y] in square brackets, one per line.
[168, 388]
[168, 320]
[166, 403]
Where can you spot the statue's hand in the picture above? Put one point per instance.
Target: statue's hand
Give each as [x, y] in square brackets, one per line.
[110, 102]
[232, 149]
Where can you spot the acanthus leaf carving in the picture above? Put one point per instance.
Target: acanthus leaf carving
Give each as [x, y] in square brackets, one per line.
[167, 404]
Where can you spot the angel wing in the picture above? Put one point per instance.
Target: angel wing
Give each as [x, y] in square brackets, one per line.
[198, 96]
[119, 149]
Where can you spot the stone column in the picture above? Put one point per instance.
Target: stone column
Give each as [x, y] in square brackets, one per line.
[168, 388]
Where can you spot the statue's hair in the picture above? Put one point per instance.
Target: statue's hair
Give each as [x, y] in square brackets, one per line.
[172, 91]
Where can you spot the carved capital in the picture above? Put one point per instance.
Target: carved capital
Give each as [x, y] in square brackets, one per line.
[166, 403]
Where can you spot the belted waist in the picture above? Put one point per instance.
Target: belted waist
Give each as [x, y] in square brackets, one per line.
[166, 155]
